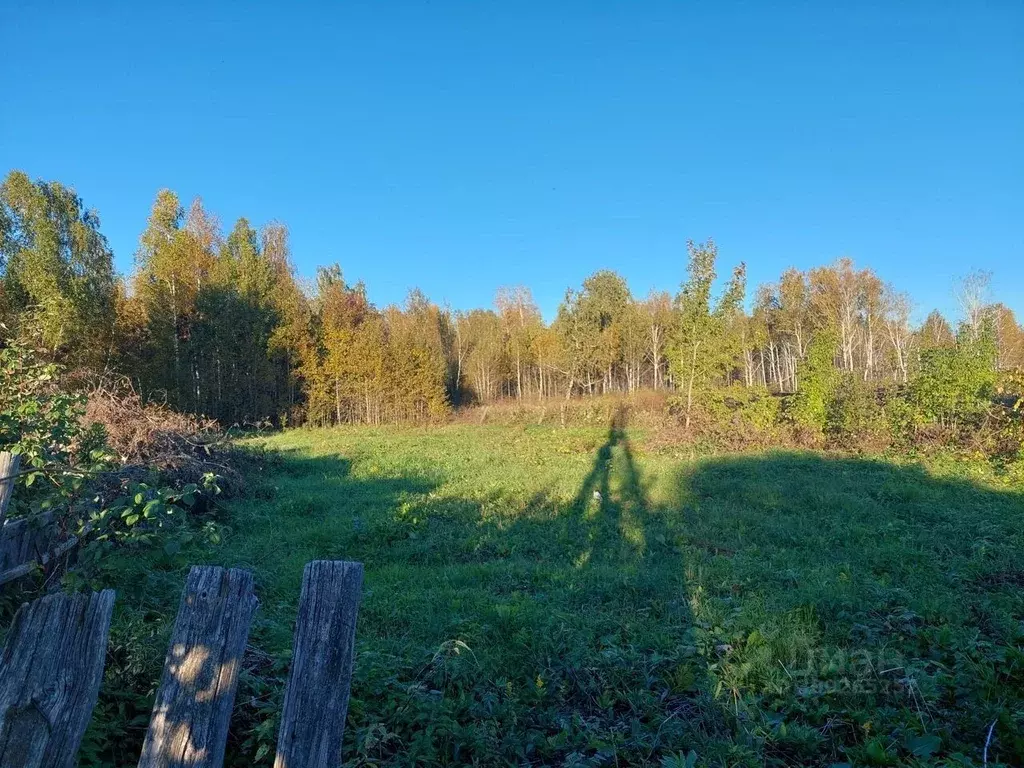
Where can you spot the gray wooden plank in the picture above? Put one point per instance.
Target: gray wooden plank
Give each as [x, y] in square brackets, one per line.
[51, 555]
[323, 656]
[9, 464]
[50, 674]
[25, 539]
[189, 726]
[12, 574]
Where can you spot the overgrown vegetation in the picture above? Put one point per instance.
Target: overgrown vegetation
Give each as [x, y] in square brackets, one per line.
[71, 470]
[546, 596]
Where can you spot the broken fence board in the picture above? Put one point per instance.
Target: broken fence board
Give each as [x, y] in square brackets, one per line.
[28, 543]
[192, 711]
[24, 539]
[50, 673]
[320, 679]
[9, 464]
[27, 567]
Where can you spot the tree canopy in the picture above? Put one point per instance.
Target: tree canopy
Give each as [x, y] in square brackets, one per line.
[221, 325]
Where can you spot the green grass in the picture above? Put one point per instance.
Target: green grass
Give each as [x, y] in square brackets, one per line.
[778, 608]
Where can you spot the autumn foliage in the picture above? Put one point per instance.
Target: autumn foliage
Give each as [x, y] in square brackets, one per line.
[221, 327]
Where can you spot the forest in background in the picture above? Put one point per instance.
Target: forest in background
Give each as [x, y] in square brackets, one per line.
[221, 325]
[106, 382]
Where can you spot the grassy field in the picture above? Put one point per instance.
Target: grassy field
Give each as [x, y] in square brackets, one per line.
[539, 596]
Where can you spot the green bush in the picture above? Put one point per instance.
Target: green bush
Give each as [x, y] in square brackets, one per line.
[854, 412]
[818, 378]
[955, 384]
[43, 424]
[750, 409]
[902, 418]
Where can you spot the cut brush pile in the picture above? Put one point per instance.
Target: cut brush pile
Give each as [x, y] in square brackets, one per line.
[179, 446]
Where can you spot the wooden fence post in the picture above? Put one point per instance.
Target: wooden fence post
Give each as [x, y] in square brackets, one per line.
[319, 682]
[9, 464]
[50, 674]
[192, 711]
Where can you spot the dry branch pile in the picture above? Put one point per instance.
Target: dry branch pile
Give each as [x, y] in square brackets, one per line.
[152, 436]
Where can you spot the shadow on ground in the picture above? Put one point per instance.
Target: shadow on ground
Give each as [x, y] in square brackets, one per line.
[776, 609]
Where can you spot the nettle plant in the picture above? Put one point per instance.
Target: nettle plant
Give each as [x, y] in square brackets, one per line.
[67, 468]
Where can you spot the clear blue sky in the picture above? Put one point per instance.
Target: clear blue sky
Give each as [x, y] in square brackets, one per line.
[460, 146]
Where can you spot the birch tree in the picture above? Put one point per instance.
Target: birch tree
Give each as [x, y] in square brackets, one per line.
[700, 348]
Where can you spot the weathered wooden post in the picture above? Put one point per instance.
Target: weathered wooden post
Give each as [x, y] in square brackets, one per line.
[50, 673]
[190, 719]
[9, 464]
[320, 680]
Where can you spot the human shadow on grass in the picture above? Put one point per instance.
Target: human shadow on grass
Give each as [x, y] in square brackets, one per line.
[758, 610]
[618, 628]
[630, 540]
[580, 606]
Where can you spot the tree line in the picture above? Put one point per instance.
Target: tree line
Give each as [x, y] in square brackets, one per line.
[221, 325]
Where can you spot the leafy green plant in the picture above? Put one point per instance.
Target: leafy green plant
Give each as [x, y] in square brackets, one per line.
[679, 760]
[43, 424]
[955, 384]
[750, 408]
[67, 469]
[818, 381]
[854, 412]
[143, 517]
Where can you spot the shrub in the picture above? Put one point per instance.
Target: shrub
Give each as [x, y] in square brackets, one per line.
[43, 424]
[902, 418]
[854, 413]
[955, 384]
[745, 410]
[818, 378]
